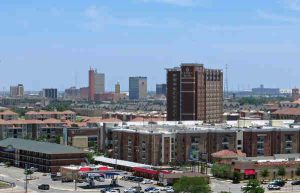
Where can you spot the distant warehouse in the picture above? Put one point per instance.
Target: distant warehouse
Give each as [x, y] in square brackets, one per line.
[46, 157]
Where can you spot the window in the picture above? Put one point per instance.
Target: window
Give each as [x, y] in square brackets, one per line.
[239, 142]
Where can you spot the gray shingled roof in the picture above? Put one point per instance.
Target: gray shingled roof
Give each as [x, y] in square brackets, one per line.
[39, 147]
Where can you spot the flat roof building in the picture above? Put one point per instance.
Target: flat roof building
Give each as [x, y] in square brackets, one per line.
[46, 157]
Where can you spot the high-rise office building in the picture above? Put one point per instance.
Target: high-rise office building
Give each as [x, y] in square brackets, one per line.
[295, 94]
[194, 93]
[17, 91]
[161, 89]
[50, 93]
[118, 88]
[96, 83]
[137, 88]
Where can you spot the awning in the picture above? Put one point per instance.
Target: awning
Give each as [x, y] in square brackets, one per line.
[104, 168]
[147, 171]
[165, 172]
[85, 169]
[250, 172]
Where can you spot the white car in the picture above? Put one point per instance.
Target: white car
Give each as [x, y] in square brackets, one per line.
[171, 190]
[112, 191]
[130, 190]
[166, 188]
[2, 164]
[147, 181]
[156, 190]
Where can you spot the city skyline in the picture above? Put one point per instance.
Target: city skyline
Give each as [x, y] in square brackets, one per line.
[51, 44]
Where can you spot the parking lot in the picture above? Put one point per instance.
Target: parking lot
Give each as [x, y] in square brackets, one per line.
[16, 175]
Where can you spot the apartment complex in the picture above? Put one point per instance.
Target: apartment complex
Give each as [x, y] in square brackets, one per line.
[46, 157]
[8, 115]
[166, 142]
[44, 115]
[96, 83]
[194, 93]
[137, 88]
[163, 147]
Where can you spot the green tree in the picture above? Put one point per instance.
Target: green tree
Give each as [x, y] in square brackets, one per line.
[192, 185]
[264, 173]
[90, 158]
[57, 139]
[281, 171]
[236, 179]
[221, 171]
[28, 172]
[7, 164]
[297, 171]
[253, 186]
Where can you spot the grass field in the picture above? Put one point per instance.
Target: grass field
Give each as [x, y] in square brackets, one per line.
[3, 185]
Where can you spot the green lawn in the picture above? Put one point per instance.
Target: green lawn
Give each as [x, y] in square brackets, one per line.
[3, 185]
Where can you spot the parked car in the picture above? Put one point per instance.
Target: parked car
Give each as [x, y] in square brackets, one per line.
[273, 187]
[66, 180]
[170, 190]
[296, 183]
[280, 183]
[113, 191]
[244, 187]
[33, 169]
[138, 179]
[155, 190]
[130, 190]
[44, 187]
[2, 164]
[147, 181]
[149, 189]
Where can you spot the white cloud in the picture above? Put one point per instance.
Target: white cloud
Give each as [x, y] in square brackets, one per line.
[92, 12]
[292, 4]
[181, 2]
[277, 17]
[97, 18]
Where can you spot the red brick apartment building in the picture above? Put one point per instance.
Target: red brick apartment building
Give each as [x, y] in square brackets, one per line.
[163, 147]
[46, 157]
[194, 93]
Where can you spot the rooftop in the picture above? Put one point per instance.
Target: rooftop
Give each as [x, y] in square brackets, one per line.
[287, 111]
[40, 147]
[50, 113]
[120, 162]
[8, 112]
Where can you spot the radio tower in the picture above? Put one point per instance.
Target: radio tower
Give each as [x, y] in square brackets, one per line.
[226, 81]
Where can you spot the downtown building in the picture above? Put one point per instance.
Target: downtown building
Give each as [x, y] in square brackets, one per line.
[137, 88]
[17, 91]
[50, 93]
[194, 93]
[96, 84]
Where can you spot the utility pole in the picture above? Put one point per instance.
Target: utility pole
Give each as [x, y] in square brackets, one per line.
[26, 182]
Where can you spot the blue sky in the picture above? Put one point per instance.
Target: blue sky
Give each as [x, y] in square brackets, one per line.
[49, 43]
